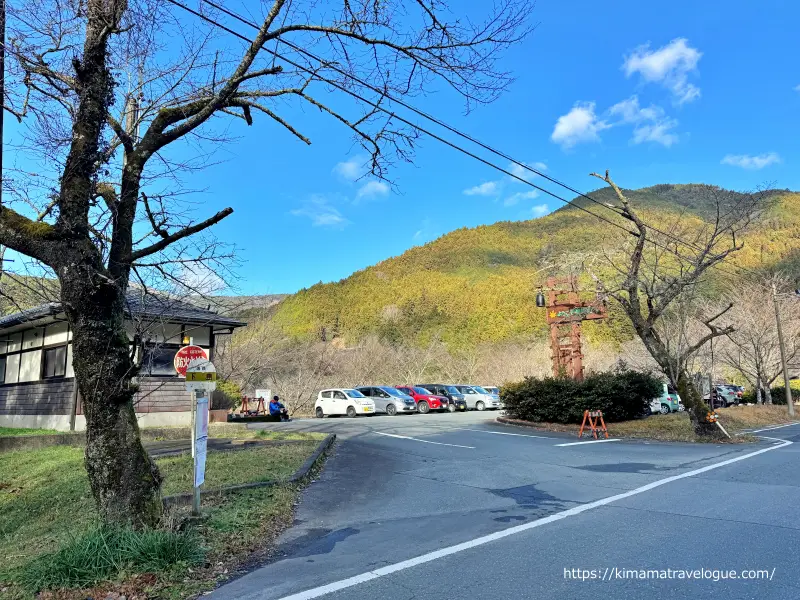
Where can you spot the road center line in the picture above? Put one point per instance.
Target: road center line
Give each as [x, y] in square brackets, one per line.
[437, 554]
[405, 437]
[590, 442]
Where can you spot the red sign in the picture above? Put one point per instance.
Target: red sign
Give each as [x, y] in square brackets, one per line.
[186, 355]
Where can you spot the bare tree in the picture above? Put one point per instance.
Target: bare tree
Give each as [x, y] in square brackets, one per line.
[656, 273]
[116, 93]
[753, 348]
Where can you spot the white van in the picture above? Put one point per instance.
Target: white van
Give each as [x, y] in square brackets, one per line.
[342, 401]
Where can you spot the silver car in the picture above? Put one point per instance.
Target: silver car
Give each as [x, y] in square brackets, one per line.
[478, 398]
[389, 400]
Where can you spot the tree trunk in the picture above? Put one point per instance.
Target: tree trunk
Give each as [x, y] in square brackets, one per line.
[124, 480]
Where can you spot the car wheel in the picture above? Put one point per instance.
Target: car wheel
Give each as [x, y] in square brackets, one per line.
[319, 412]
[480, 405]
[451, 407]
[423, 408]
[664, 409]
[391, 410]
[351, 411]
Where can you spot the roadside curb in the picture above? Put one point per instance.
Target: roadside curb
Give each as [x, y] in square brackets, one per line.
[519, 423]
[301, 473]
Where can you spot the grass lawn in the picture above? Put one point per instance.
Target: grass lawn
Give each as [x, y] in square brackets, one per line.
[15, 431]
[45, 501]
[676, 427]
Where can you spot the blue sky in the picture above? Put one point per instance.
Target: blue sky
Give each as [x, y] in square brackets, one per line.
[667, 92]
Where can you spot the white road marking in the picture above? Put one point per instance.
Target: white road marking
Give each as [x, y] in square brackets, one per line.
[544, 437]
[590, 442]
[437, 554]
[773, 427]
[405, 437]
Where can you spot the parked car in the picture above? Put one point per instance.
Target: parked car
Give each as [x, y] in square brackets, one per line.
[724, 396]
[342, 401]
[426, 401]
[478, 398]
[389, 400]
[736, 389]
[455, 399]
[669, 401]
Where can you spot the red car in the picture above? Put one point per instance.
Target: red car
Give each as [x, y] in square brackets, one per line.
[426, 401]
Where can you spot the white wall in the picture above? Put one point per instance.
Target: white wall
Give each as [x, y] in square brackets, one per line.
[12, 368]
[31, 366]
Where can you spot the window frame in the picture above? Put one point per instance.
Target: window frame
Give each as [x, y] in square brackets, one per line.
[43, 348]
[43, 368]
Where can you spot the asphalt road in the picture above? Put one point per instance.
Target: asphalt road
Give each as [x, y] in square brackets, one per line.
[457, 506]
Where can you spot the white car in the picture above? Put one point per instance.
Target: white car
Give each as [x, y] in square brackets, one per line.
[478, 398]
[342, 401]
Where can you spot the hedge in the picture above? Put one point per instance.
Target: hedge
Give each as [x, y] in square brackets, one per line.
[778, 395]
[621, 395]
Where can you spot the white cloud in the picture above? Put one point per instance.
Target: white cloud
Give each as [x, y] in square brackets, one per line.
[523, 173]
[745, 161]
[423, 233]
[321, 213]
[670, 66]
[372, 189]
[540, 210]
[652, 124]
[579, 125]
[487, 188]
[351, 169]
[658, 133]
[515, 198]
[201, 279]
[797, 88]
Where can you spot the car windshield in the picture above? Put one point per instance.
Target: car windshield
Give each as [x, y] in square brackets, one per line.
[393, 392]
[354, 394]
[421, 390]
[479, 389]
[452, 389]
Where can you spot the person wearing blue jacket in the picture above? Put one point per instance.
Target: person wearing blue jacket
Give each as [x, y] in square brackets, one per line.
[277, 409]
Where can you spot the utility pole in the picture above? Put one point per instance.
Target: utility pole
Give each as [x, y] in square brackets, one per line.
[2, 86]
[787, 388]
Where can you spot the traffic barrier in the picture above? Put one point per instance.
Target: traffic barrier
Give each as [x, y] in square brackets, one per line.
[591, 417]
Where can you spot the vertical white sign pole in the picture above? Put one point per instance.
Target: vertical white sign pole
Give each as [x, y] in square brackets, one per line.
[196, 487]
[193, 434]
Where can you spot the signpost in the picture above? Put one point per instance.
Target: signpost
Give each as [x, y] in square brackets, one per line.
[192, 363]
[186, 355]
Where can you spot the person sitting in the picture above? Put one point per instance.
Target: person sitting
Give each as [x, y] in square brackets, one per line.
[277, 409]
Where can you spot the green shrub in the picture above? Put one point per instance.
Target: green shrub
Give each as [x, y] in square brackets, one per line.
[103, 553]
[228, 395]
[777, 393]
[621, 395]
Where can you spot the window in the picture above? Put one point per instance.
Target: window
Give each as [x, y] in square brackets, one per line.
[55, 362]
[339, 396]
[159, 360]
[354, 393]
[3, 369]
[326, 394]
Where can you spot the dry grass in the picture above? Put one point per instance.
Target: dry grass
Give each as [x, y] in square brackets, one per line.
[676, 427]
[737, 418]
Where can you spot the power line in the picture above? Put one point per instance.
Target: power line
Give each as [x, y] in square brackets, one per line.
[398, 117]
[429, 133]
[441, 123]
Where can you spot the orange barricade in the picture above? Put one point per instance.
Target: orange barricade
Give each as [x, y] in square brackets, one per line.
[591, 417]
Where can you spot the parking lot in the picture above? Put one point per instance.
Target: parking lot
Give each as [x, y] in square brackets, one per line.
[456, 505]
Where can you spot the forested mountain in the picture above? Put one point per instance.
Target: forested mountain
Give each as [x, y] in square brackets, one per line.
[478, 285]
